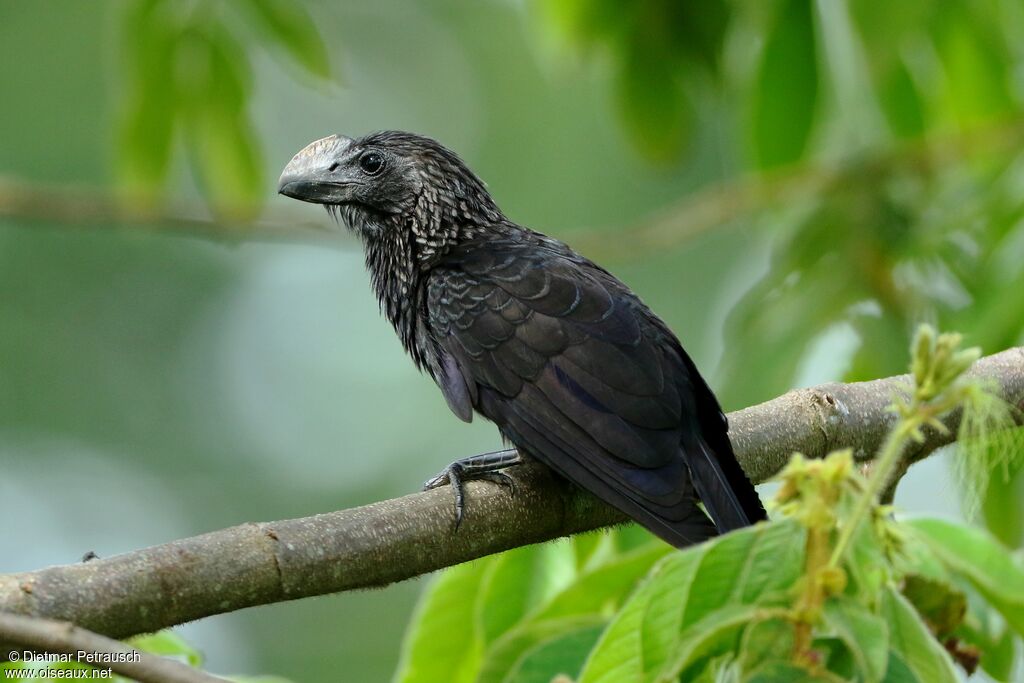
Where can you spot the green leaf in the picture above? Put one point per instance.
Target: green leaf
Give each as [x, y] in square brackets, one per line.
[985, 629]
[618, 654]
[631, 536]
[556, 570]
[902, 103]
[653, 101]
[698, 30]
[885, 28]
[224, 146]
[603, 589]
[998, 659]
[979, 558]
[783, 672]
[899, 671]
[505, 591]
[915, 651]
[587, 22]
[756, 565]
[583, 604]
[146, 130]
[1001, 661]
[764, 642]
[836, 657]
[441, 644]
[715, 633]
[1002, 501]
[864, 633]
[867, 566]
[168, 644]
[557, 656]
[716, 670]
[670, 584]
[975, 61]
[786, 90]
[515, 646]
[940, 604]
[594, 548]
[290, 27]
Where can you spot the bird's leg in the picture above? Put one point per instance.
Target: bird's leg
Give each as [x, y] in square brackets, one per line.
[484, 466]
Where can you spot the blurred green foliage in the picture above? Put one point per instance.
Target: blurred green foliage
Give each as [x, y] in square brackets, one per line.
[866, 153]
[720, 611]
[656, 47]
[188, 74]
[931, 66]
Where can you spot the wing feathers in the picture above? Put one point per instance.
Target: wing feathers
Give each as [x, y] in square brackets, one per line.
[577, 372]
[680, 524]
[714, 489]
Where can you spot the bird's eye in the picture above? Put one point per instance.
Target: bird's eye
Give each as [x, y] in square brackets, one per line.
[334, 167]
[371, 163]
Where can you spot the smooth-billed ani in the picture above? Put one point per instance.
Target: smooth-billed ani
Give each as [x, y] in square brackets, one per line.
[571, 366]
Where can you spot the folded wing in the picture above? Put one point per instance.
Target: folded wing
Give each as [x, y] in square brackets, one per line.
[577, 372]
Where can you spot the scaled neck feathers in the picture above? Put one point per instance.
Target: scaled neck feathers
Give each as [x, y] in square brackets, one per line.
[402, 248]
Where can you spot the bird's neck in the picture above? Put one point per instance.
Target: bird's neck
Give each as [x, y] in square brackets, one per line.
[401, 250]
[442, 219]
[395, 276]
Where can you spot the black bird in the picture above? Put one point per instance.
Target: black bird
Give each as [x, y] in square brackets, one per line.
[571, 366]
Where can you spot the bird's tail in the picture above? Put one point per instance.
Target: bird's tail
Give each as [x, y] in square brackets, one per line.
[723, 487]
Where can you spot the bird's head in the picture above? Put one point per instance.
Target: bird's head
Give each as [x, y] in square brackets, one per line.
[390, 181]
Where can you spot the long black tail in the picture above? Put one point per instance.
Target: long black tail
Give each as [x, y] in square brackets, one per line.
[722, 485]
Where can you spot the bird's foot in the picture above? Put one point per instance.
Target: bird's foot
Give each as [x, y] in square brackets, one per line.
[483, 467]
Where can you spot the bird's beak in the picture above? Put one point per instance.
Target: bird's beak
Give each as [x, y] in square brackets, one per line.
[309, 176]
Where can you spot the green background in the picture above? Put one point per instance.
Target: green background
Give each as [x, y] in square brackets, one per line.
[155, 386]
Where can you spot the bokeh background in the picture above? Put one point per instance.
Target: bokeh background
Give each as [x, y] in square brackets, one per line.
[792, 185]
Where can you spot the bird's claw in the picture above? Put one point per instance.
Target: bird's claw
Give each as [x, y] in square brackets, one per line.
[436, 481]
[501, 479]
[455, 475]
[451, 475]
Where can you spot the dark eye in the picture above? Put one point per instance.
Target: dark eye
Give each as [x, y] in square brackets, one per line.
[371, 163]
[334, 167]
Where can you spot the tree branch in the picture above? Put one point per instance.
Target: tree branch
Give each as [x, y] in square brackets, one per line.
[68, 207]
[60, 637]
[397, 539]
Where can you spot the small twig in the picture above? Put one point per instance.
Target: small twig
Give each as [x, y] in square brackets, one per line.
[938, 365]
[888, 494]
[881, 477]
[38, 636]
[69, 207]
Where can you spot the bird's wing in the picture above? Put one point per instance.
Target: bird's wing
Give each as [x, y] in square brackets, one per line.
[575, 371]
